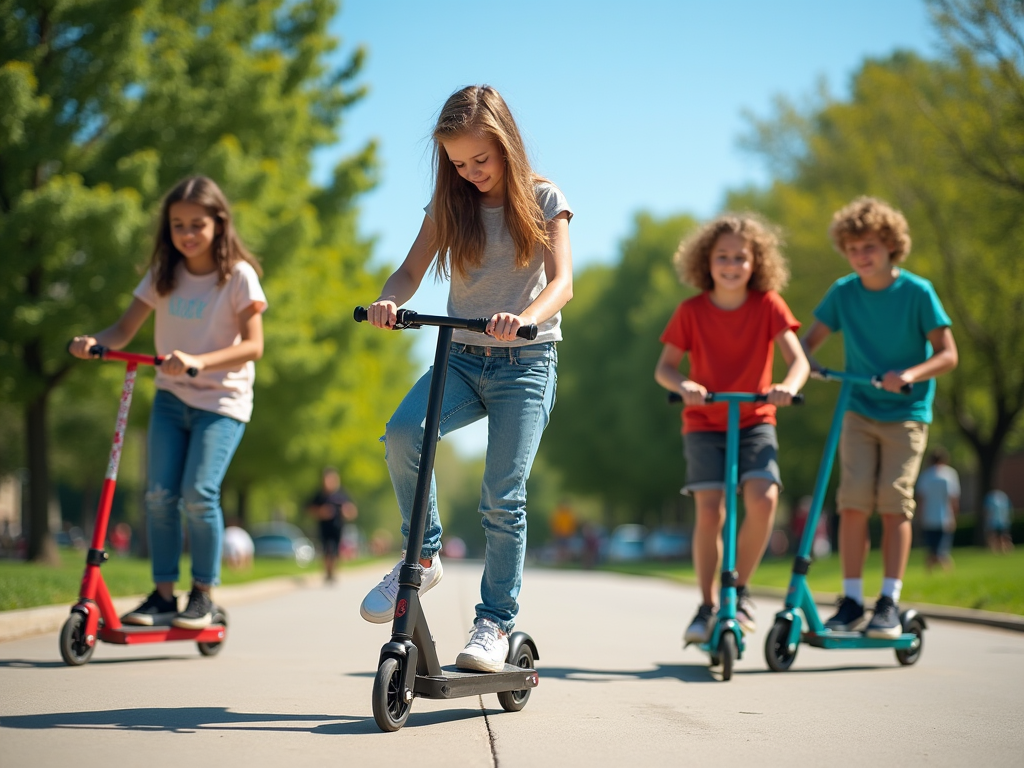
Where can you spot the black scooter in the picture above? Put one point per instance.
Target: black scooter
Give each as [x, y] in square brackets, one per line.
[408, 665]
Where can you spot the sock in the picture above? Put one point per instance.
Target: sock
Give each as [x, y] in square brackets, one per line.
[892, 588]
[854, 589]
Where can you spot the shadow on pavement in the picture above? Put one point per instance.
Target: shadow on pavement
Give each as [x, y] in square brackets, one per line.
[687, 673]
[35, 664]
[192, 719]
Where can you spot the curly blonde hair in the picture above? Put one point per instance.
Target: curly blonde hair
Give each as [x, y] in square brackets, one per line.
[693, 257]
[866, 215]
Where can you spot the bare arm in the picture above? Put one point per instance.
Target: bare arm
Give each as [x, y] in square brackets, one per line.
[556, 294]
[404, 281]
[799, 369]
[944, 359]
[116, 336]
[250, 328]
[667, 373]
[812, 340]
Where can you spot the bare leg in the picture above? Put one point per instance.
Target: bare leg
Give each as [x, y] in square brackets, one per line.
[760, 499]
[707, 540]
[854, 542]
[896, 536]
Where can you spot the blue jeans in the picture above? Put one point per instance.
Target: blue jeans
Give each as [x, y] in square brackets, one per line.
[189, 452]
[515, 389]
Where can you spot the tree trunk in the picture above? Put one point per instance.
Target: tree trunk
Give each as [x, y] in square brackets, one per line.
[41, 547]
[242, 508]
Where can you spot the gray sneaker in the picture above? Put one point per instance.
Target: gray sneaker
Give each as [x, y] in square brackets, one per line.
[700, 627]
[745, 609]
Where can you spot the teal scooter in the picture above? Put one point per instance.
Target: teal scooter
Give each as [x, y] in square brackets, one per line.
[799, 621]
[725, 642]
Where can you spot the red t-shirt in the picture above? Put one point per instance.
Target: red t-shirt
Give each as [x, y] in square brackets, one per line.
[730, 351]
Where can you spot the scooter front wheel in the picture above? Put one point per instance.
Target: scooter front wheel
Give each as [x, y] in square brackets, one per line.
[776, 647]
[74, 648]
[728, 652]
[390, 709]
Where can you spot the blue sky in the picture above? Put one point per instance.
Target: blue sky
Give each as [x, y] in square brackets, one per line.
[626, 106]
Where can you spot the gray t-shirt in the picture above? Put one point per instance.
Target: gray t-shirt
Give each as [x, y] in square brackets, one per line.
[937, 486]
[497, 285]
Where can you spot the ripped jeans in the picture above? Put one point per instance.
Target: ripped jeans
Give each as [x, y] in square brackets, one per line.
[515, 389]
[189, 453]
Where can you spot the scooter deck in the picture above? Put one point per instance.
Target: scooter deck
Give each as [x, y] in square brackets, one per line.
[132, 634]
[858, 640]
[455, 682]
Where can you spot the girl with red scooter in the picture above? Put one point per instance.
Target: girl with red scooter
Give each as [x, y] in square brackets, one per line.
[204, 287]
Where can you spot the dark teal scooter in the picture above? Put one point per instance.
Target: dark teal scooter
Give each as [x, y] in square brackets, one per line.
[725, 642]
[788, 632]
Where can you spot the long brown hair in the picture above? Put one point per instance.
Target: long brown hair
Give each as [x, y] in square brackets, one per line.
[227, 248]
[459, 231]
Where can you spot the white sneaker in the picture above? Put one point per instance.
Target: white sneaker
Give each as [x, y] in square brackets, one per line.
[378, 606]
[487, 648]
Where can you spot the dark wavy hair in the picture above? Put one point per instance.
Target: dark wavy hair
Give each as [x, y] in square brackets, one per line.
[227, 248]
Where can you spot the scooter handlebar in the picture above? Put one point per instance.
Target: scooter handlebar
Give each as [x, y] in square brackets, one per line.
[710, 397]
[409, 319]
[826, 374]
[104, 353]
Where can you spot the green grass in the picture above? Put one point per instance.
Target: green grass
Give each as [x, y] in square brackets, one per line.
[27, 585]
[980, 579]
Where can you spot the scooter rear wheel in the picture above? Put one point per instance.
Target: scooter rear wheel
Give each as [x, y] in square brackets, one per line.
[910, 656]
[73, 647]
[212, 649]
[776, 647]
[390, 709]
[513, 701]
[728, 652]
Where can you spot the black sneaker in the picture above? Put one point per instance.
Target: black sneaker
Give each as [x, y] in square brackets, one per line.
[848, 618]
[700, 627]
[154, 610]
[198, 614]
[885, 623]
[745, 611]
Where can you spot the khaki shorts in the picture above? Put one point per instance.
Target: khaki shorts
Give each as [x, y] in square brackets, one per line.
[880, 461]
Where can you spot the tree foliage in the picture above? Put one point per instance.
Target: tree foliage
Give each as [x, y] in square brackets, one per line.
[612, 433]
[106, 104]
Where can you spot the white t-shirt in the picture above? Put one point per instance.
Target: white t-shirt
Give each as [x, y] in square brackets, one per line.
[200, 316]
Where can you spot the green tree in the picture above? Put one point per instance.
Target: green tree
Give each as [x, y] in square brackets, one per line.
[612, 433]
[108, 103]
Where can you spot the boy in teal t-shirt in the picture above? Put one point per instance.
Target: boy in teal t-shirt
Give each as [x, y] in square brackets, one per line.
[893, 325]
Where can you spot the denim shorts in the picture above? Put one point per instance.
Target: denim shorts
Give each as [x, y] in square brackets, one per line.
[705, 458]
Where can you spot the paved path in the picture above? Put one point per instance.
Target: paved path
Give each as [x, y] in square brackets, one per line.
[292, 687]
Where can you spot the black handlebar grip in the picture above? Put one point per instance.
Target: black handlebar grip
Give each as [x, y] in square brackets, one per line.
[906, 389]
[528, 332]
[360, 315]
[675, 397]
[798, 399]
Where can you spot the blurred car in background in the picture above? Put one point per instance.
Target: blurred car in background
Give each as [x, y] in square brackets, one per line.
[284, 541]
[667, 544]
[627, 543]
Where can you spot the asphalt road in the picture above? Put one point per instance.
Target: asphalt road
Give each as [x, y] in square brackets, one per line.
[292, 687]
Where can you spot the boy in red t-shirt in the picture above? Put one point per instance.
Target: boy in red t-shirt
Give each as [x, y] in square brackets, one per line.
[730, 331]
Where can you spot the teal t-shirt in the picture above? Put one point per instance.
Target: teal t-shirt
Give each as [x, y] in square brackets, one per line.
[885, 331]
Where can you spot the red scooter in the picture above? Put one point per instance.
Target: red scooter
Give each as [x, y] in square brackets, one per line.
[93, 617]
